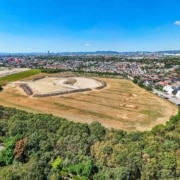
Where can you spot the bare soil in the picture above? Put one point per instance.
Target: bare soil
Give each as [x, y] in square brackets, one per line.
[48, 85]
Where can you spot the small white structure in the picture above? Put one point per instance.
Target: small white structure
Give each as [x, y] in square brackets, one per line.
[178, 94]
[168, 89]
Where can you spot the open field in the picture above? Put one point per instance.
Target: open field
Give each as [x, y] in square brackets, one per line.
[121, 105]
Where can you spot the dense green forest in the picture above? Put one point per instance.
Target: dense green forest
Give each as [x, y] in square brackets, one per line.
[42, 146]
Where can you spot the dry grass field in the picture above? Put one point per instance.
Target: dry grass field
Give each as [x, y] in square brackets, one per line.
[121, 105]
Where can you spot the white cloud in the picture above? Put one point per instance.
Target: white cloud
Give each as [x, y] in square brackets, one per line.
[177, 23]
[87, 44]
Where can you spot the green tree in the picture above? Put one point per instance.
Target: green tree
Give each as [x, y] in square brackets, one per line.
[57, 164]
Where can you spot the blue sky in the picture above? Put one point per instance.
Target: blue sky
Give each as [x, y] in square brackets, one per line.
[89, 25]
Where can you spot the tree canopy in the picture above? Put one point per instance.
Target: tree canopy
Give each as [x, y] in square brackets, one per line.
[42, 146]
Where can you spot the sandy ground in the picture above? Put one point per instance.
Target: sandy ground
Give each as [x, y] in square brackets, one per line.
[7, 71]
[56, 84]
[121, 105]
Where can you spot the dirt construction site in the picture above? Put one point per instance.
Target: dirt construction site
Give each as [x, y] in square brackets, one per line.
[119, 104]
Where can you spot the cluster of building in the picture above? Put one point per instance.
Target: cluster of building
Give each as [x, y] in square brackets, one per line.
[98, 66]
[21, 62]
[151, 72]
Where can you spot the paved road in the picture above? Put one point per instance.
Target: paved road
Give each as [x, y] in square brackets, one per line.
[167, 96]
[6, 71]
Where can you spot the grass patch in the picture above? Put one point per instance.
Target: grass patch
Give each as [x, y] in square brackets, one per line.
[95, 103]
[18, 76]
[103, 95]
[152, 113]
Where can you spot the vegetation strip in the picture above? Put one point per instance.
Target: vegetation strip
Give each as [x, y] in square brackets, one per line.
[84, 111]
[91, 102]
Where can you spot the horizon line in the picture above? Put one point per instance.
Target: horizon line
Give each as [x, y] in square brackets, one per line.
[98, 51]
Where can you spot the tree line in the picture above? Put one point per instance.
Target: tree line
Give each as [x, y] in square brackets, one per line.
[45, 147]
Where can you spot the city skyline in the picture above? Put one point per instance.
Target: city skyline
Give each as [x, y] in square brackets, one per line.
[72, 26]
